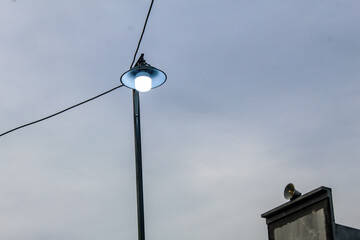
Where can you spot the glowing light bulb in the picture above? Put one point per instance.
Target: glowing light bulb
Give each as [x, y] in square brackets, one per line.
[143, 82]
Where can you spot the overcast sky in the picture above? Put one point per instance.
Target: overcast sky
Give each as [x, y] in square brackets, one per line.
[259, 94]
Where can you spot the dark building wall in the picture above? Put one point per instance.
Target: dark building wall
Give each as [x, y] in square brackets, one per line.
[346, 233]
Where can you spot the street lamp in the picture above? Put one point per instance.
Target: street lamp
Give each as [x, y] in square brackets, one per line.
[141, 78]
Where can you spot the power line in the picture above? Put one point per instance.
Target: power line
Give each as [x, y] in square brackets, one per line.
[53, 115]
[142, 34]
[76, 105]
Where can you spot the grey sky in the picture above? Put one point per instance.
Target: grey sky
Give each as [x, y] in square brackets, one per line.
[259, 94]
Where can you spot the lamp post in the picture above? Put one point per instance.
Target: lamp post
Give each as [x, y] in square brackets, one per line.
[140, 78]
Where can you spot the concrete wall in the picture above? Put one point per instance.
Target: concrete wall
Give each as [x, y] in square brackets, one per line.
[309, 227]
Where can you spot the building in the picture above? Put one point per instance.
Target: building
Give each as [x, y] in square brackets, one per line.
[307, 217]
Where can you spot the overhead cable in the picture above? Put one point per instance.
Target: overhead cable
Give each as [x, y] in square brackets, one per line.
[76, 105]
[142, 34]
[53, 115]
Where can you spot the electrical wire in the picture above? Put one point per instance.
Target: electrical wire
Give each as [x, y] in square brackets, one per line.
[142, 34]
[53, 115]
[90, 99]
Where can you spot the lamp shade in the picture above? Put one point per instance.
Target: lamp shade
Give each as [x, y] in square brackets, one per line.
[142, 74]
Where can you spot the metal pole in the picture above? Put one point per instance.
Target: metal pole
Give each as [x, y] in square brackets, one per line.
[138, 166]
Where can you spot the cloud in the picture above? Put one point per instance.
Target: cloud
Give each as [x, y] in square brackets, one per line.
[258, 94]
